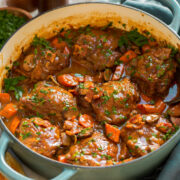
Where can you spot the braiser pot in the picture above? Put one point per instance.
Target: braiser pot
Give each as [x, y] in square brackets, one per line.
[47, 25]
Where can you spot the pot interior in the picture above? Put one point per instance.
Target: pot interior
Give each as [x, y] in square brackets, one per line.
[96, 14]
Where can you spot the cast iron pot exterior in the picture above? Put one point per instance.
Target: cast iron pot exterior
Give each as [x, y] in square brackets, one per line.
[47, 25]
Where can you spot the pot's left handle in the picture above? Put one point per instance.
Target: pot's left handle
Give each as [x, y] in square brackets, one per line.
[4, 167]
[12, 174]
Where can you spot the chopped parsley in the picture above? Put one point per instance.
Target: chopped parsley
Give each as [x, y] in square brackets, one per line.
[26, 135]
[133, 37]
[43, 43]
[10, 84]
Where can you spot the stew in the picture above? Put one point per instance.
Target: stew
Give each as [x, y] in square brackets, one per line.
[93, 96]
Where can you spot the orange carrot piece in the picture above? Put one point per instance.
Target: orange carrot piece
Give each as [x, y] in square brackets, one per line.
[62, 158]
[55, 43]
[86, 121]
[5, 98]
[9, 110]
[164, 127]
[14, 124]
[79, 77]
[118, 72]
[128, 56]
[150, 109]
[67, 80]
[112, 132]
[146, 48]
[145, 98]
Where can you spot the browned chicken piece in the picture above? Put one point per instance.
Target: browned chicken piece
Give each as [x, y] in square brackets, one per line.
[142, 137]
[153, 71]
[117, 100]
[38, 65]
[50, 101]
[96, 48]
[40, 136]
[124, 153]
[94, 151]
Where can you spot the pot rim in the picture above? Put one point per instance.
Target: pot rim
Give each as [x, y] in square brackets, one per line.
[15, 140]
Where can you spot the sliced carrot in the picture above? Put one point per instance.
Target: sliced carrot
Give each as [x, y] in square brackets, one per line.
[5, 98]
[9, 110]
[79, 77]
[62, 158]
[165, 127]
[67, 80]
[86, 121]
[14, 124]
[118, 72]
[112, 132]
[145, 98]
[128, 56]
[150, 109]
[55, 43]
[146, 48]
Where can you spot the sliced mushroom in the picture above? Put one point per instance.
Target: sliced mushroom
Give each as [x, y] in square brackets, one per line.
[85, 132]
[28, 63]
[66, 140]
[151, 118]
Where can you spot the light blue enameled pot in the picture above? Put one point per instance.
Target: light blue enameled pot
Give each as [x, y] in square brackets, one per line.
[47, 25]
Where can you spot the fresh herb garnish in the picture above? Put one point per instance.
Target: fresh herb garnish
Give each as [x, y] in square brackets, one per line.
[43, 43]
[134, 37]
[10, 84]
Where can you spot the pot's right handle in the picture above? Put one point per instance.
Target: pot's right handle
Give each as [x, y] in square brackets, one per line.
[12, 174]
[172, 4]
[175, 8]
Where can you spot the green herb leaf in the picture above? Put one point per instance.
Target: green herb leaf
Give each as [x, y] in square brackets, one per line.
[43, 43]
[10, 84]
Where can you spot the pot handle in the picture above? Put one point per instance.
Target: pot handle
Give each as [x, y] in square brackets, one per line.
[172, 4]
[4, 167]
[12, 174]
[175, 8]
[65, 174]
